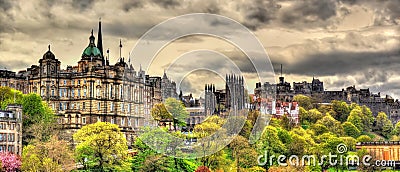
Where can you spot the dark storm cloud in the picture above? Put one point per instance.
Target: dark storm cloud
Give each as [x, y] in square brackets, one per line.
[83, 4]
[386, 12]
[167, 3]
[258, 13]
[310, 11]
[341, 62]
[132, 4]
[5, 5]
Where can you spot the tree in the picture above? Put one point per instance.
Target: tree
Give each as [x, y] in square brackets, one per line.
[178, 111]
[101, 146]
[159, 112]
[355, 118]
[383, 125]
[269, 142]
[332, 124]
[396, 130]
[364, 138]
[38, 119]
[9, 96]
[341, 109]
[351, 130]
[52, 155]
[10, 162]
[304, 101]
[202, 169]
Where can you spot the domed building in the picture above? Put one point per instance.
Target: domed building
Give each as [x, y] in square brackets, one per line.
[93, 90]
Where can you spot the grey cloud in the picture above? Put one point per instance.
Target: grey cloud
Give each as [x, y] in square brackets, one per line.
[5, 5]
[310, 12]
[167, 3]
[15, 64]
[258, 13]
[132, 4]
[83, 4]
[340, 62]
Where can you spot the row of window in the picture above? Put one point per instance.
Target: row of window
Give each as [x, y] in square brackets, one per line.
[112, 121]
[8, 137]
[5, 126]
[77, 106]
[10, 148]
[63, 92]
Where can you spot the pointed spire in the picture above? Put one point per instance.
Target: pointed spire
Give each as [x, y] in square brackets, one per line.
[100, 42]
[120, 47]
[49, 47]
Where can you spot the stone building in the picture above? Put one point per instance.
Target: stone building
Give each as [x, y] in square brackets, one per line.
[315, 90]
[93, 90]
[233, 97]
[11, 129]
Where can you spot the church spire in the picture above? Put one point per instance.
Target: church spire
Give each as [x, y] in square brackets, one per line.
[100, 41]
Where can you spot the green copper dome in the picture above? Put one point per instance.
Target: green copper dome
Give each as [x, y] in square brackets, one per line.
[91, 50]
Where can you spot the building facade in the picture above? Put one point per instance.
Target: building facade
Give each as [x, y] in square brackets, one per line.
[11, 129]
[93, 90]
[284, 92]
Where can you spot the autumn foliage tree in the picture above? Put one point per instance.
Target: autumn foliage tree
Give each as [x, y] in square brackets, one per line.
[52, 155]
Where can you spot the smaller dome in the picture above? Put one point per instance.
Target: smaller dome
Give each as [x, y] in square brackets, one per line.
[49, 55]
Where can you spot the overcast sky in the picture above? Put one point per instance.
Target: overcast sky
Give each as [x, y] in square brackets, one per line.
[341, 42]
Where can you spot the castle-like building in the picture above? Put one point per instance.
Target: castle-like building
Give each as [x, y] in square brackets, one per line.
[283, 91]
[233, 97]
[93, 90]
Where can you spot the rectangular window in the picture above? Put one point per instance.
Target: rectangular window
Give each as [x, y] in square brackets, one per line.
[112, 107]
[129, 108]
[112, 120]
[84, 92]
[129, 122]
[83, 120]
[84, 81]
[122, 121]
[136, 122]
[79, 82]
[65, 82]
[78, 106]
[122, 106]
[79, 92]
[72, 93]
[83, 105]
[98, 106]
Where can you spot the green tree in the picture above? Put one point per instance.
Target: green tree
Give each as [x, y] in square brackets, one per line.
[355, 118]
[332, 124]
[341, 109]
[178, 111]
[383, 125]
[9, 96]
[38, 119]
[269, 142]
[351, 130]
[364, 138]
[304, 101]
[101, 146]
[396, 130]
[159, 112]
